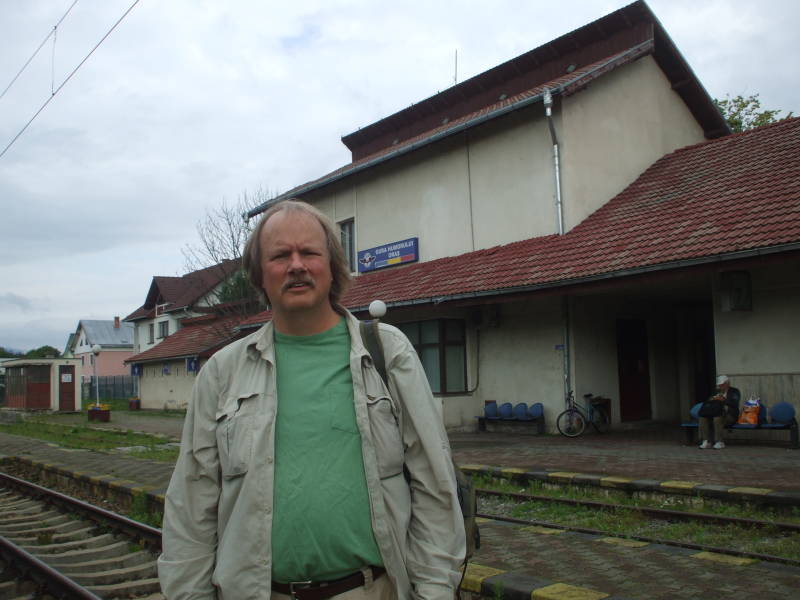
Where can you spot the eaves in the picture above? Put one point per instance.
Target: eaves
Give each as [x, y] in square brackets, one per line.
[596, 278]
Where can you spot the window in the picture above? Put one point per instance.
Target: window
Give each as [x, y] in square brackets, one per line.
[347, 231]
[151, 329]
[441, 346]
[163, 329]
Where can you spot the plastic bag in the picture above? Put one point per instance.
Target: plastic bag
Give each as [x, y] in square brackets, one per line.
[750, 411]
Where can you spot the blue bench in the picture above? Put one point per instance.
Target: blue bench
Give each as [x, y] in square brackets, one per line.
[519, 413]
[779, 417]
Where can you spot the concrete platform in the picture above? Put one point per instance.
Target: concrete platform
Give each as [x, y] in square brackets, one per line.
[537, 563]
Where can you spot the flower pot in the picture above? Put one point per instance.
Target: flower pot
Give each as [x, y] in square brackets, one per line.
[134, 404]
[100, 414]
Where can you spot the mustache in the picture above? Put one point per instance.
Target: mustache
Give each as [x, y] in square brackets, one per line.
[291, 282]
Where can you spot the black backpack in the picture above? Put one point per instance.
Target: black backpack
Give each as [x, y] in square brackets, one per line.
[465, 488]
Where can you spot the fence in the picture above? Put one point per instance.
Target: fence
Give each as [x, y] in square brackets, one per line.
[112, 387]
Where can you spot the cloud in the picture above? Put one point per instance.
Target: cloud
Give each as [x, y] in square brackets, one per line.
[188, 102]
[13, 301]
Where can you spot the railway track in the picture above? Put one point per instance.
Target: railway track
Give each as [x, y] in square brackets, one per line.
[651, 513]
[55, 546]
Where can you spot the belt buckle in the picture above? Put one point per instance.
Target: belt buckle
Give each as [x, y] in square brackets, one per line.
[300, 584]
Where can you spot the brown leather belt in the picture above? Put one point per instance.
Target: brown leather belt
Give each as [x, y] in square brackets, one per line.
[320, 590]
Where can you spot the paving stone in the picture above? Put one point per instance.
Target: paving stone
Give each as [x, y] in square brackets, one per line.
[648, 458]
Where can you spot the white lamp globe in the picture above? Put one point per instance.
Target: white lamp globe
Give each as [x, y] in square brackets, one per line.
[377, 308]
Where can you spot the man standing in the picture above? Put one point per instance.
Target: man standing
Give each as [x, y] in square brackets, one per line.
[728, 412]
[290, 481]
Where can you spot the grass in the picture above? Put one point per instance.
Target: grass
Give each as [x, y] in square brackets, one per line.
[141, 511]
[627, 523]
[668, 502]
[92, 438]
[117, 405]
[169, 454]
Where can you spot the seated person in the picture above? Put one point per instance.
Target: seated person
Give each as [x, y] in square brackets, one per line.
[729, 397]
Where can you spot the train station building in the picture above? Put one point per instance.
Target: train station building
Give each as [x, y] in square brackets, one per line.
[578, 218]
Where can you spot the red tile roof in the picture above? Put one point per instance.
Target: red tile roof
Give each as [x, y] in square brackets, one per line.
[724, 197]
[181, 292]
[199, 338]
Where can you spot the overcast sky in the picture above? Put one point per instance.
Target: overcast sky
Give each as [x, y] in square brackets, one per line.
[188, 102]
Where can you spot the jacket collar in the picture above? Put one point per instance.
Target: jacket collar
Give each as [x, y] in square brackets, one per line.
[263, 340]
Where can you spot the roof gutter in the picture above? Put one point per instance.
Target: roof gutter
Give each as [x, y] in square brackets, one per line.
[456, 129]
[721, 258]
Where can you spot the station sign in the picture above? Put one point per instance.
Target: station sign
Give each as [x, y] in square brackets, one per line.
[388, 255]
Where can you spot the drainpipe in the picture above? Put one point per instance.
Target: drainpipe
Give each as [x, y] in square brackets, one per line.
[548, 111]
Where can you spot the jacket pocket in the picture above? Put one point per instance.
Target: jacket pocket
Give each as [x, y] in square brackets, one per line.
[385, 436]
[235, 436]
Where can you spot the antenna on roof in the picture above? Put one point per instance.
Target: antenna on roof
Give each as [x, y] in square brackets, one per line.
[455, 70]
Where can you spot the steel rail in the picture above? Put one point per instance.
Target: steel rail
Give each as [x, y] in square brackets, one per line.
[147, 535]
[659, 513]
[688, 545]
[43, 574]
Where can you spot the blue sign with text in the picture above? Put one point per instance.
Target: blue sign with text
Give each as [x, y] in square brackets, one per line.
[396, 253]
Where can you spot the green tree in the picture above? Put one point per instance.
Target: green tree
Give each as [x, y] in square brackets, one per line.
[744, 113]
[9, 353]
[43, 352]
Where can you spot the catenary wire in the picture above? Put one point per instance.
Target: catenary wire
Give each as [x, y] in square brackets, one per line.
[63, 83]
[35, 52]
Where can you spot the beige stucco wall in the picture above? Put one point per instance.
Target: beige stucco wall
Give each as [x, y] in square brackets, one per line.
[594, 349]
[172, 391]
[425, 195]
[759, 349]
[614, 130]
[521, 357]
[492, 186]
[495, 183]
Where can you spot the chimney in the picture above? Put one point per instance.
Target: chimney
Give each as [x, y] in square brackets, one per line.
[116, 322]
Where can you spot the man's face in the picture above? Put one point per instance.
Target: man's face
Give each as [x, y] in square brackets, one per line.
[295, 264]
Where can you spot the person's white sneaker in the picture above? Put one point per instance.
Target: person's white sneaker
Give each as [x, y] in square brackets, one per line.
[705, 445]
[719, 445]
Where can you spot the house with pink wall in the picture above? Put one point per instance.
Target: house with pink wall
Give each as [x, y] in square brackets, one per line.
[115, 339]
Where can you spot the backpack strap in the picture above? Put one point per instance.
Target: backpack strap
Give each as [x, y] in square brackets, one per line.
[465, 488]
[372, 342]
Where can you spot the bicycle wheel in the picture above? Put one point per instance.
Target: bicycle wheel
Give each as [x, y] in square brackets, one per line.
[571, 422]
[600, 420]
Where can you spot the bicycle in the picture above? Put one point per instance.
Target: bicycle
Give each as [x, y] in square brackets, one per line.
[572, 422]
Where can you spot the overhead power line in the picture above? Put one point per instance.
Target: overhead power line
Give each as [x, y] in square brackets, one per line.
[35, 52]
[63, 83]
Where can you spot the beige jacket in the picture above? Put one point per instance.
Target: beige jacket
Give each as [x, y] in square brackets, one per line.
[218, 508]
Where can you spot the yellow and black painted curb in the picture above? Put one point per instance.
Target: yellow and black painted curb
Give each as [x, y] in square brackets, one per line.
[488, 582]
[727, 493]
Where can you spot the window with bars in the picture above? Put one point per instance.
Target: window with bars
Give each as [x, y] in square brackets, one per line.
[347, 232]
[442, 349]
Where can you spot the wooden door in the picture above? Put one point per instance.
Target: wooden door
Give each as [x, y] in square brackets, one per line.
[37, 388]
[634, 370]
[66, 388]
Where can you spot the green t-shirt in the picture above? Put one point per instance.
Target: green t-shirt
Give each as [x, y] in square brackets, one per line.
[321, 527]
